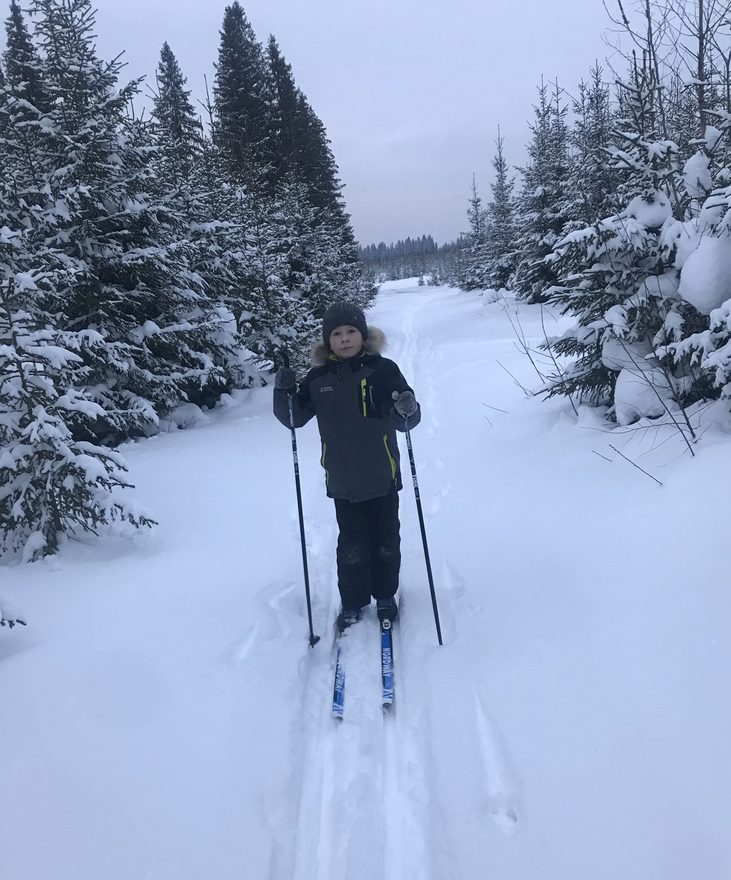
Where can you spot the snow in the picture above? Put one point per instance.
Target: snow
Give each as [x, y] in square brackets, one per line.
[617, 354]
[187, 415]
[164, 717]
[663, 286]
[697, 175]
[24, 281]
[641, 393]
[650, 213]
[34, 544]
[712, 137]
[705, 281]
[9, 614]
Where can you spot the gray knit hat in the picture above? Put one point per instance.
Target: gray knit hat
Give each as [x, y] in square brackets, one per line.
[340, 313]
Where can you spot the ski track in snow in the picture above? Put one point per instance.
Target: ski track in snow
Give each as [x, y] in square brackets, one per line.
[362, 800]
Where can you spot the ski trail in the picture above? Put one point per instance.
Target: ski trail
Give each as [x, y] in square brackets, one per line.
[435, 769]
[405, 855]
[340, 795]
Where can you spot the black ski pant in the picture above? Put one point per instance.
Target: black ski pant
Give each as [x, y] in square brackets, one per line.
[369, 549]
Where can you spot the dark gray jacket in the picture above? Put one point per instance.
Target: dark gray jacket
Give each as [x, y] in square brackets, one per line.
[353, 402]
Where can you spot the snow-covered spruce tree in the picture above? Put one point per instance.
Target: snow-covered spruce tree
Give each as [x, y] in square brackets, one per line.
[544, 204]
[699, 349]
[275, 315]
[694, 338]
[209, 206]
[245, 117]
[500, 254]
[473, 271]
[288, 136]
[23, 81]
[294, 268]
[339, 272]
[303, 152]
[593, 179]
[219, 231]
[96, 197]
[177, 126]
[22, 66]
[51, 482]
[296, 271]
[305, 159]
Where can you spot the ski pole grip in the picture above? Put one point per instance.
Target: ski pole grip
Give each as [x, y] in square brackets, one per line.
[394, 397]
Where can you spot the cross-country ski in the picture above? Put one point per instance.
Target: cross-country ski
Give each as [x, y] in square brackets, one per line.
[387, 664]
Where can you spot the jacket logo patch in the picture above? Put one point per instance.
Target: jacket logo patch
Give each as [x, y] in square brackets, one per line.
[326, 388]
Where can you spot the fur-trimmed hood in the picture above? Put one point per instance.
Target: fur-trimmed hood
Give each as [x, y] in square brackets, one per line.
[375, 344]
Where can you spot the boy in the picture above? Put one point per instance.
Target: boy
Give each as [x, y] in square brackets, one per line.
[360, 400]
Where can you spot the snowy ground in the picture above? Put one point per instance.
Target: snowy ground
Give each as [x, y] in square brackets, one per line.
[164, 719]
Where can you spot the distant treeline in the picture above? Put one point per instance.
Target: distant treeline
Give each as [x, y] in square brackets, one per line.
[412, 257]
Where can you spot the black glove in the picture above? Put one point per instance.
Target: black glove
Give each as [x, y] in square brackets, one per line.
[284, 379]
[405, 404]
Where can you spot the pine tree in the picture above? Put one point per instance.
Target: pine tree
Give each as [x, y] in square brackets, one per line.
[273, 316]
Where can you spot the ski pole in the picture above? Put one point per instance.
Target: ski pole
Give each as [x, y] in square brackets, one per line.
[421, 525]
[290, 394]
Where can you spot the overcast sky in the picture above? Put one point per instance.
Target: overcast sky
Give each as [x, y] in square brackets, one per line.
[411, 91]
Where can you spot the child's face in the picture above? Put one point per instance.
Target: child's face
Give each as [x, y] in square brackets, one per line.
[346, 341]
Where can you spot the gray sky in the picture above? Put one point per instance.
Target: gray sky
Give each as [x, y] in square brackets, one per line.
[411, 93]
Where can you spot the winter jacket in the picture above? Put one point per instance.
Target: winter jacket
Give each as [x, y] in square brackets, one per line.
[353, 403]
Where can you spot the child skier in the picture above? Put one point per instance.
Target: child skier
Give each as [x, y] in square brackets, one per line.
[360, 400]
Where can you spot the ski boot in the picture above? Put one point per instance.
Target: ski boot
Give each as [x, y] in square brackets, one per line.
[347, 617]
[387, 609]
